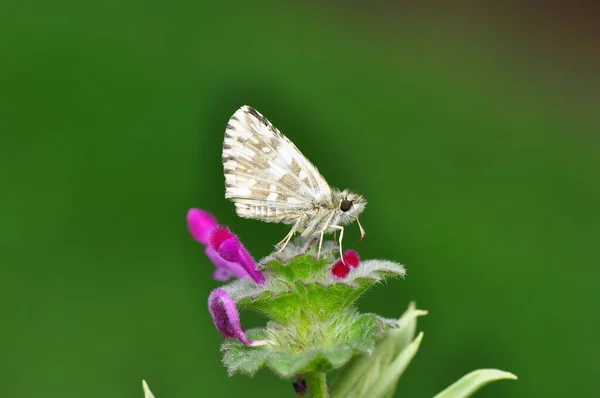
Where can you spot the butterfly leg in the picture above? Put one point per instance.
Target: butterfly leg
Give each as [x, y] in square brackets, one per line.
[287, 238]
[340, 241]
[323, 230]
[320, 244]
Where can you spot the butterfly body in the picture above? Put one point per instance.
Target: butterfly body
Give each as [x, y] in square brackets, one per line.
[269, 179]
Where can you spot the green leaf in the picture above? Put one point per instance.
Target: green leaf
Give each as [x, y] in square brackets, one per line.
[317, 300]
[364, 371]
[473, 381]
[389, 376]
[305, 286]
[321, 347]
[280, 270]
[404, 334]
[147, 392]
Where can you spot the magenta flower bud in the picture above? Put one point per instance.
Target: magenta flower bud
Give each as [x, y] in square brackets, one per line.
[342, 268]
[227, 318]
[351, 258]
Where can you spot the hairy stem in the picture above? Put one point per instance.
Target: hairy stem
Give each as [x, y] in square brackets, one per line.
[317, 384]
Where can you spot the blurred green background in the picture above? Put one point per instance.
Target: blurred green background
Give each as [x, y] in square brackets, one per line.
[472, 132]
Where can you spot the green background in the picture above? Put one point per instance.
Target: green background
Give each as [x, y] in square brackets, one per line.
[478, 155]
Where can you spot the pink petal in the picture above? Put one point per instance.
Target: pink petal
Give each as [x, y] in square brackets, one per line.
[249, 265]
[221, 275]
[229, 247]
[200, 224]
[220, 234]
[232, 269]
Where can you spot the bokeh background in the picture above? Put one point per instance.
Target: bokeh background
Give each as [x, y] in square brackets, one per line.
[471, 129]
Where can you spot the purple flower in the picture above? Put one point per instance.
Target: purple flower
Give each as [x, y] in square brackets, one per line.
[227, 318]
[228, 246]
[223, 248]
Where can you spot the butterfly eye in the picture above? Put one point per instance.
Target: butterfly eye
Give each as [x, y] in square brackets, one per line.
[345, 205]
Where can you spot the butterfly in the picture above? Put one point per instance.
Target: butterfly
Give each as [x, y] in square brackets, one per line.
[268, 179]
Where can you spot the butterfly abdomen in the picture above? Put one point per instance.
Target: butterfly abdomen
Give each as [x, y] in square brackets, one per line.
[265, 213]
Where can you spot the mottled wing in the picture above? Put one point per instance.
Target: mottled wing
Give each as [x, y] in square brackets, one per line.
[266, 176]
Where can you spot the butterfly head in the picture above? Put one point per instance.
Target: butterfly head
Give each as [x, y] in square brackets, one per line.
[349, 206]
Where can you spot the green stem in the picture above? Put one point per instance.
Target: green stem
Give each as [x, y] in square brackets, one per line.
[317, 384]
